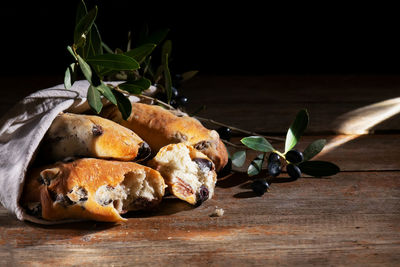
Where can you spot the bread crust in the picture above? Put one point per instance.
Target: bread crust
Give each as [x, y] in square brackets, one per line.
[77, 135]
[73, 190]
[160, 127]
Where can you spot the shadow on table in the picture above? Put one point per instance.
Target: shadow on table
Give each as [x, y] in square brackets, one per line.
[244, 182]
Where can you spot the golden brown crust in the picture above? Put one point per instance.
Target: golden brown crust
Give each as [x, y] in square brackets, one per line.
[74, 190]
[159, 127]
[76, 135]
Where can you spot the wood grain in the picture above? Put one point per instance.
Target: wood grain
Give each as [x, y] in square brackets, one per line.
[255, 102]
[352, 218]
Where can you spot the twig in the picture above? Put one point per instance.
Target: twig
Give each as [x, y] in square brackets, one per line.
[210, 121]
[239, 130]
[233, 145]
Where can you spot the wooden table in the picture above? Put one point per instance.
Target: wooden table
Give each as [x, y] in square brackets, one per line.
[352, 218]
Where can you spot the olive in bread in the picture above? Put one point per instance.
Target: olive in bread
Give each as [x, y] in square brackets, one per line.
[160, 127]
[91, 189]
[76, 135]
[189, 174]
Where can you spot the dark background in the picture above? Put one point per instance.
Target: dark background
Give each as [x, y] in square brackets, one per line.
[243, 38]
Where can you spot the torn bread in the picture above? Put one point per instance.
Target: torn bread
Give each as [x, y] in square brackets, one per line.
[189, 174]
[160, 127]
[91, 189]
[75, 135]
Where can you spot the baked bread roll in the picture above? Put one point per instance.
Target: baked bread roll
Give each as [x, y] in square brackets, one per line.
[92, 189]
[76, 135]
[189, 174]
[160, 127]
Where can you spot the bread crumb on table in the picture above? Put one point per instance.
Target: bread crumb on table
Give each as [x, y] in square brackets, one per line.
[218, 212]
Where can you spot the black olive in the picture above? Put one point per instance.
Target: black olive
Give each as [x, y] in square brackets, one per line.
[203, 193]
[293, 171]
[274, 168]
[204, 164]
[274, 157]
[144, 152]
[225, 133]
[226, 170]
[175, 92]
[294, 156]
[259, 186]
[97, 130]
[182, 100]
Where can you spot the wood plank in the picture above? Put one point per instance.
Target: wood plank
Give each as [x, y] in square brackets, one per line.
[351, 218]
[351, 153]
[269, 103]
[258, 103]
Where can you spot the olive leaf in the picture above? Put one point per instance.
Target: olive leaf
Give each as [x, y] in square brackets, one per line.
[189, 75]
[94, 99]
[114, 62]
[166, 49]
[93, 46]
[258, 143]
[313, 149]
[296, 129]
[238, 158]
[255, 166]
[319, 168]
[71, 51]
[168, 80]
[81, 11]
[107, 93]
[155, 38]
[83, 27]
[135, 87]
[140, 53]
[124, 105]
[85, 68]
[70, 75]
[107, 48]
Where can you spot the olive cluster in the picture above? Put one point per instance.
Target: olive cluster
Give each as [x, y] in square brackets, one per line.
[292, 157]
[178, 100]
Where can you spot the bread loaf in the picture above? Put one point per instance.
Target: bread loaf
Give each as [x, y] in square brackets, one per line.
[160, 127]
[92, 189]
[76, 135]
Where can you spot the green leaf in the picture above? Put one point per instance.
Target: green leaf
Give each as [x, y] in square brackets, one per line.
[166, 49]
[296, 129]
[155, 38]
[319, 168]
[86, 70]
[81, 11]
[135, 87]
[94, 47]
[124, 105]
[114, 62]
[70, 76]
[168, 81]
[140, 53]
[239, 158]
[94, 99]
[71, 52]
[255, 166]
[107, 93]
[258, 143]
[107, 48]
[189, 75]
[313, 149]
[83, 27]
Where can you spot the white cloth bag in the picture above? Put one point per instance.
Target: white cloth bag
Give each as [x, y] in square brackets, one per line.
[22, 129]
